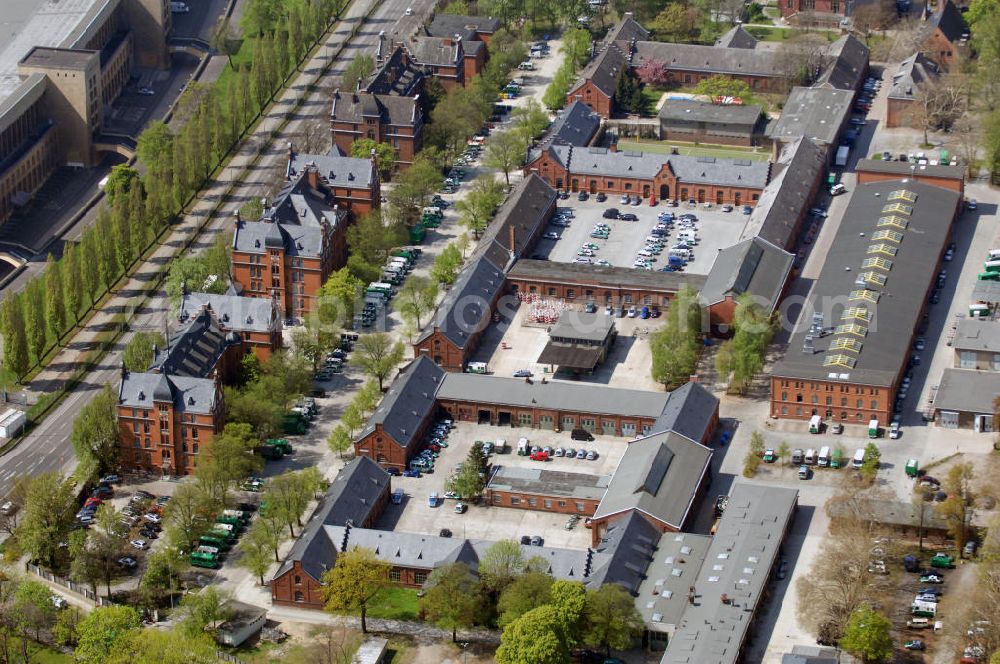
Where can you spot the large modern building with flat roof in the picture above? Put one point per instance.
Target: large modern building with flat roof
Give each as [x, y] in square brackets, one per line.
[66, 63]
[852, 346]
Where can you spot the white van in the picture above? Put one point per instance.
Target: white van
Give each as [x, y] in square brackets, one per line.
[810, 456]
[645, 252]
[179, 8]
[522, 447]
[859, 458]
[476, 367]
[824, 457]
[994, 255]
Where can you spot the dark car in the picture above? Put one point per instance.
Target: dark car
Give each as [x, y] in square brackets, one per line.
[444, 533]
[628, 216]
[525, 540]
[601, 197]
[536, 540]
[582, 196]
[610, 213]
[392, 471]
[581, 434]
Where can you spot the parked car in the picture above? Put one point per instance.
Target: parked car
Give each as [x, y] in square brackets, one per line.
[139, 544]
[628, 216]
[127, 562]
[536, 540]
[523, 373]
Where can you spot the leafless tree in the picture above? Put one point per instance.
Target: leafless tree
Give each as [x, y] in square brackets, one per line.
[315, 137]
[328, 645]
[939, 104]
[903, 41]
[968, 137]
[800, 58]
[873, 17]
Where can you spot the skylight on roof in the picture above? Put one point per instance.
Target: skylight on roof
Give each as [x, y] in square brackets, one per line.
[903, 195]
[882, 248]
[839, 360]
[893, 220]
[872, 278]
[877, 261]
[865, 294]
[846, 343]
[897, 207]
[859, 313]
[852, 328]
[888, 234]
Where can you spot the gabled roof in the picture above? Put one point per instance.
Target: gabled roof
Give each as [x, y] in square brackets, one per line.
[646, 165]
[391, 109]
[690, 411]
[449, 25]
[663, 592]
[912, 73]
[710, 59]
[258, 236]
[786, 197]
[816, 113]
[465, 308]
[737, 37]
[752, 266]
[234, 313]
[700, 111]
[437, 51]
[630, 544]
[948, 19]
[189, 395]
[334, 169]
[576, 125]
[195, 349]
[847, 64]
[627, 29]
[659, 475]
[408, 403]
[604, 70]
[351, 498]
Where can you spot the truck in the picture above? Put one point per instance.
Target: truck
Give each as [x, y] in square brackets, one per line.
[222, 534]
[991, 266]
[237, 514]
[873, 429]
[824, 457]
[911, 468]
[921, 609]
[220, 543]
[12, 423]
[975, 311]
[202, 559]
[842, 153]
[476, 368]
[225, 520]
[268, 452]
[522, 447]
[294, 424]
[837, 458]
[281, 444]
[815, 424]
[417, 233]
[859, 458]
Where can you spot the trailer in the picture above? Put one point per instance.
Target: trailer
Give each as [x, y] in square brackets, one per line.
[12, 423]
[873, 429]
[815, 424]
[911, 468]
[842, 153]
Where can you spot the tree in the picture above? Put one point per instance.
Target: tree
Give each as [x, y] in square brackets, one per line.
[868, 636]
[205, 610]
[73, 282]
[755, 453]
[922, 495]
[957, 507]
[373, 236]
[164, 567]
[102, 630]
[555, 95]
[784, 452]
[256, 547]
[359, 69]
[504, 152]
[447, 265]
[95, 431]
[500, 565]
[724, 86]
[467, 482]
[413, 188]
[33, 302]
[611, 619]
[336, 299]
[654, 73]
[64, 631]
[800, 58]
[675, 346]
[232, 453]
[287, 497]
[339, 441]
[138, 354]
[524, 593]
[187, 514]
[356, 578]
[385, 155]
[377, 355]
[48, 516]
[417, 297]
[537, 637]
[121, 180]
[676, 23]
[869, 469]
[478, 206]
[15, 340]
[939, 104]
[627, 95]
[531, 118]
[33, 607]
[454, 598]
[164, 646]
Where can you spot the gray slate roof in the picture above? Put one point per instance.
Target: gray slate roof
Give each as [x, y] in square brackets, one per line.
[646, 165]
[241, 314]
[815, 113]
[738, 564]
[465, 308]
[967, 391]
[737, 37]
[709, 59]
[350, 172]
[810, 655]
[788, 195]
[663, 593]
[752, 266]
[408, 403]
[438, 51]
[583, 326]
[541, 482]
[257, 236]
[449, 25]
[900, 300]
[847, 64]
[576, 125]
[659, 475]
[977, 334]
[553, 395]
[350, 498]
[189, 395]
[912, 73]
[949, 20]
[700, 111]
[605, 276]
[195, 349]
[604, 70]
[627, 29]
[392, 109]
[690, 411]
[630, 544]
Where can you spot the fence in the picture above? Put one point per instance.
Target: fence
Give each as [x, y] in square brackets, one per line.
[226, 657]
[68, 585]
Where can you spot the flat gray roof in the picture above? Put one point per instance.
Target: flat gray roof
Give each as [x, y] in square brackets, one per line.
[978, 335]
[50, 24]
[604, 276]
[663, 593]
[57, 58]
[738, 566]
[892, 232]
[968, 391]
[986, 292]
[573, 324]
[555, 483]
[701, 111]
[551, 395]
[816, 113]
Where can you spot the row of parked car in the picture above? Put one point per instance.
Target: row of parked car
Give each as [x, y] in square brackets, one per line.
[435, 441]
[545, 453]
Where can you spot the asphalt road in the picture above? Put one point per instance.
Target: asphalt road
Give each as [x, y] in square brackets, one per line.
[48, 447]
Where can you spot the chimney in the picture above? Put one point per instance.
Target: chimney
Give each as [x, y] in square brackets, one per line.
[312, 175]
[124, 370]
[237, 220]
[511, 239]
[613, 147]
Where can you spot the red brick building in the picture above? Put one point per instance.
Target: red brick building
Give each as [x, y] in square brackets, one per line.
[546, 490]
[355, 499]
[385, 118]
[453, 335]
[302, 236]
[652, 174]
[944, 35]
[473, 31]
[941, 175]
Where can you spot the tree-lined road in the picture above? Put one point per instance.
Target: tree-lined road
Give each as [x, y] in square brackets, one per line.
[48, 446]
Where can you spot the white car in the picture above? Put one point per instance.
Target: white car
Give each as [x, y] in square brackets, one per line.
[632, 312]
[139, 544]
[409, 11]
[151, 517]
[551, 235]
[127, 562]
[146, 92]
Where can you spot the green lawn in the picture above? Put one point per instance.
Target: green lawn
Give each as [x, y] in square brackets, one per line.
[395, 603]
[39, 654]
[781, 34]
[722, 152]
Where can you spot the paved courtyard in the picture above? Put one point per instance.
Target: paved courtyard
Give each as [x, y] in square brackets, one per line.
[493, 523]
[716, 231]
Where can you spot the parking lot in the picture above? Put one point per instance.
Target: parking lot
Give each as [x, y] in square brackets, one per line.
[716, 230]
[493, 523]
